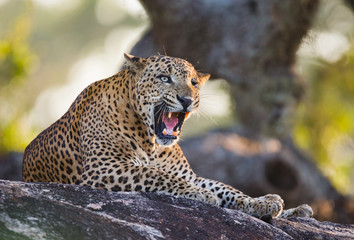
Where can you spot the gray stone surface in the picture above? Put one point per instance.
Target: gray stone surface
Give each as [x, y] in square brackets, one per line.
[58, 211]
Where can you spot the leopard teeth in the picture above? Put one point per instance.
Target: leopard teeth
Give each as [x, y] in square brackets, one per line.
[169, 115]
[164, 132]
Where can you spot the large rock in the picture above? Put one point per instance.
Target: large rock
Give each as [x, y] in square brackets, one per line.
[58, 211]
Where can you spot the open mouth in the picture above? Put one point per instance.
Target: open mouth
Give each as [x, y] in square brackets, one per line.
[168, 125]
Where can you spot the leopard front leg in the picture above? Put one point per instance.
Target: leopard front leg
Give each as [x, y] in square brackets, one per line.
[128, 177]
[176, 164]
[230, 197]
[270, 204]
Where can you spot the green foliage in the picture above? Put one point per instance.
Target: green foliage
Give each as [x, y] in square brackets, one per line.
[15, 56]
[16, 135]
[16, 61]
[326, 128]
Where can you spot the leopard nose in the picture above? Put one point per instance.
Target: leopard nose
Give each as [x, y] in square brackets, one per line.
[185, 101]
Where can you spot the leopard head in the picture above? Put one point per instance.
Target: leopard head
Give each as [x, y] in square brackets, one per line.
[164, 91]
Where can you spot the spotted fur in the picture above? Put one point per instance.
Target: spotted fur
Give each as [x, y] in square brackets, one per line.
[112, 138]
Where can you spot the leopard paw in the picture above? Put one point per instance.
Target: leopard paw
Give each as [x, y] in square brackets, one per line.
[303, 210]
[270, 204]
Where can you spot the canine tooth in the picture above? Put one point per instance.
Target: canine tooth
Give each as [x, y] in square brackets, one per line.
[169, 115]
[164, 132]
[175, 133]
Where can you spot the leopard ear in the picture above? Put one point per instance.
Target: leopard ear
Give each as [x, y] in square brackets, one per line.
[134, 63]
[203, 77]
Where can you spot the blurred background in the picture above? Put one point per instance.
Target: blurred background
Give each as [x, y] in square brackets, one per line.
[50, 50]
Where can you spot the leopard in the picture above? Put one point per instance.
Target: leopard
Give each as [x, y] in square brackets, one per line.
[121, 133]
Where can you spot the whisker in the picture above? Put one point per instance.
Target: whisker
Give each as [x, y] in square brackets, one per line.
[208, 116]
[209, 95]
[211, 105]
[197, 113]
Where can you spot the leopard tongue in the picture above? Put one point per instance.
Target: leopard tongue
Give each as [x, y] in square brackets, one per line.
[170, 120]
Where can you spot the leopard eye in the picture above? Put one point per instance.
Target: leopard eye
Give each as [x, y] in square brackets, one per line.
[165, 79]
[194, 82]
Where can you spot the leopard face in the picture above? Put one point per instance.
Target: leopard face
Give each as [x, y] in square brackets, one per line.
[164, 92]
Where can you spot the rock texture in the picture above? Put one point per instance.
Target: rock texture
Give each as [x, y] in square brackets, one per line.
[58, 211]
